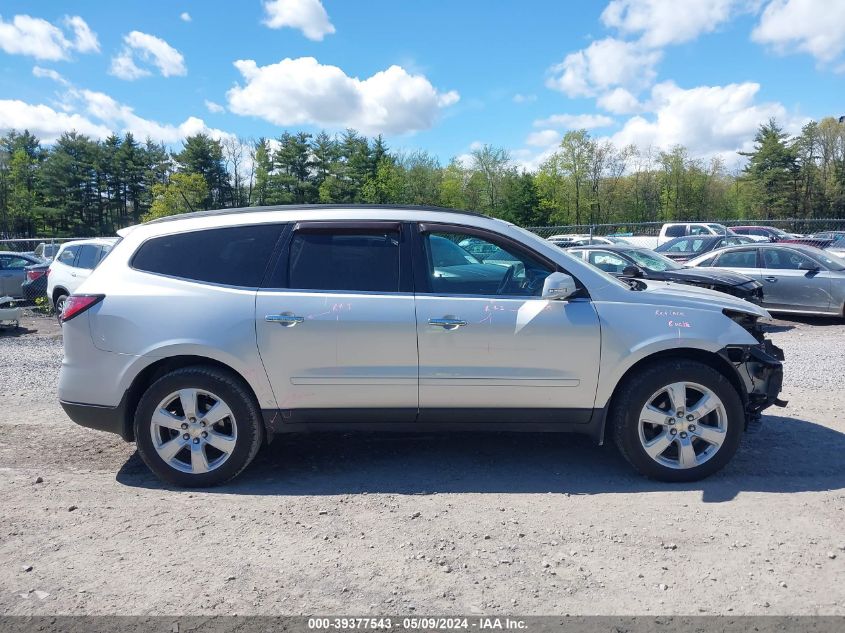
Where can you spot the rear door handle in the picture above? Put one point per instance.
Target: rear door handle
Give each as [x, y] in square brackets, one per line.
[288, 320]
[447, 324]
[771, 279]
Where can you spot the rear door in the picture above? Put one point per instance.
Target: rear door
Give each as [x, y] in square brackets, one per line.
[12, 275]
[791, 281]
[85, 262]
[490, 348]
[336, 327]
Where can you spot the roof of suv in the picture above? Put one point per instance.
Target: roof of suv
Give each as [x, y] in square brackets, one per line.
[309, 207]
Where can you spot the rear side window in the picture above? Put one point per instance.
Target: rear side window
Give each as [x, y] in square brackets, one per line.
[68, 255]
[676, 231]
[88, 256]
[236, 256]
[738, 259]
[344, 260]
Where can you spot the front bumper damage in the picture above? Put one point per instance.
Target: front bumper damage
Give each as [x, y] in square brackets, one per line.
[760, 369]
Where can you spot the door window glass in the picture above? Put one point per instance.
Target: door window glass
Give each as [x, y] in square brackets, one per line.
[785, 259]
[345, 260]
[675, 231]
[233, 256]
[87, 256]
[478, 266]
[607, 261]
[746, 258]
[68, 255]
[697, 229]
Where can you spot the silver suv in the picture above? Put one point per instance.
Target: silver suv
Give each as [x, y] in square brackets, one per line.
[203, 335]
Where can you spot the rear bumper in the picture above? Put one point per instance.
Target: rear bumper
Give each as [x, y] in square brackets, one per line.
[99, 418]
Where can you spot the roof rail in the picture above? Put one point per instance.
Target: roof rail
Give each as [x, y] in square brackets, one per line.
[309, 207]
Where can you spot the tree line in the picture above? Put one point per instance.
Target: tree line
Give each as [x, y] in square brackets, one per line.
[82, 186]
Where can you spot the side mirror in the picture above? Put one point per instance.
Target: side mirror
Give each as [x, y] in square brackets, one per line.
[558, 286]
[632, 271]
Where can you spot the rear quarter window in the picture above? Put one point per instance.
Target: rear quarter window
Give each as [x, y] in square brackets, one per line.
[232, 256]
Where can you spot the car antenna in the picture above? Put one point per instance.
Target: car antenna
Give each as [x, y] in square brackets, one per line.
[182, 193]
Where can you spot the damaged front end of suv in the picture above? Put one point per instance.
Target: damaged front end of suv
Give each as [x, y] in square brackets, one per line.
[759, 367]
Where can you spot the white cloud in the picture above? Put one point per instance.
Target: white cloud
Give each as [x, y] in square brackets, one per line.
[38, 38]
[118, 116]
[662, 22]
[602, 65]
[521, 98]
[575, 121]
[816, 27]
[709, 120]
[543, 138]
[303, 91]
[49, 73]
[309, 16]
[45, 122]
[185, 16]
[619, 101]
[85, 40]
[150, 49]
[216, 108]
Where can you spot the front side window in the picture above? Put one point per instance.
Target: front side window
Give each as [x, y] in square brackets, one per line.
[607, 261]
[488, 268]
[232, 256]
[697, 229]
[745, 258]
[68, 255]
[345, 260]
[787, 259]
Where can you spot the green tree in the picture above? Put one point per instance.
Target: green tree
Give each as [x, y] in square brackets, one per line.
[771, 169]
[183, 194]
[203, 155]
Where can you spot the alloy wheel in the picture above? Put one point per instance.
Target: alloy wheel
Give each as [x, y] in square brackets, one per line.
[193, 431]
[682, 425]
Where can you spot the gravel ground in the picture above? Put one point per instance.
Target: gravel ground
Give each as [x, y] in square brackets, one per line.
[527, 524]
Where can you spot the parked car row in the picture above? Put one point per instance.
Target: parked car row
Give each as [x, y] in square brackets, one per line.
[28, 276]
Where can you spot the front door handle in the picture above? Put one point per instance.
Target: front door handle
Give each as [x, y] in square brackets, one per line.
[288, 320]
[771, 279]
[447, 323]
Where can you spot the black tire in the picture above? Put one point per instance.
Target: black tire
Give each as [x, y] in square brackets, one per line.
[59, 305]
[632, 395]
[235, 393]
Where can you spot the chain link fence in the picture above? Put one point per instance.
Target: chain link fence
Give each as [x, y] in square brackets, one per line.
[43, 247]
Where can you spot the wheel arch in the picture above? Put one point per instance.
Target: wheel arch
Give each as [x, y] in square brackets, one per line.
[58, 291]
[159, 368]
[712, 359]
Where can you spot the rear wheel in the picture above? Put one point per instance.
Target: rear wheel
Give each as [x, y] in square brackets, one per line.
[677, 420]
[198, 426]
[59, 304]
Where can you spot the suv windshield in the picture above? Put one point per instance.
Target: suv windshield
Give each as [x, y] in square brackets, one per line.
[652, 261]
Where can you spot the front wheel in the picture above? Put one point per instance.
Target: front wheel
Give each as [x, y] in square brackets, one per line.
[677, 420]
[198, 426]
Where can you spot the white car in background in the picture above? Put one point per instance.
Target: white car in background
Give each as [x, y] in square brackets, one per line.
[72, 265]
[671, 230]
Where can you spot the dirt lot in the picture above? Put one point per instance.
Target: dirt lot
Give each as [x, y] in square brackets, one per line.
[429, 524]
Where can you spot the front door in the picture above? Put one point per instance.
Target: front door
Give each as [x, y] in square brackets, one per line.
[488, 344]
[336, 329]
[793, 281]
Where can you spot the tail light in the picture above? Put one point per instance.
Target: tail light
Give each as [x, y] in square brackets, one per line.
[77, 304]
[32, 275]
